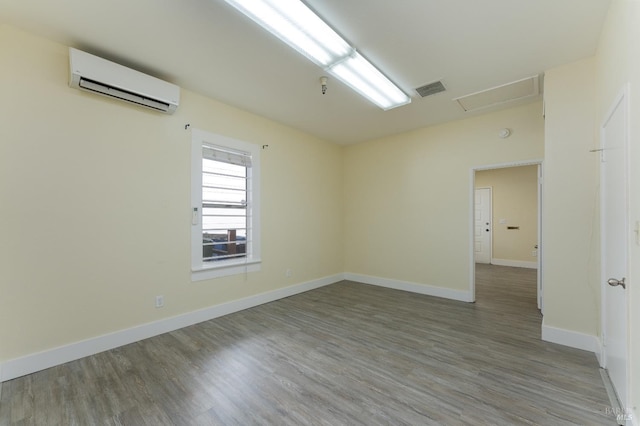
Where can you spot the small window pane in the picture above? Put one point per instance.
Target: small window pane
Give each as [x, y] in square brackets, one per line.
[224, 222]
[212, 166]
[223, 181]
[211, 211]
[223, 196]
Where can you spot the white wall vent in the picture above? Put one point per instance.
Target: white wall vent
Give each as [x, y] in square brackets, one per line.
[97, 75]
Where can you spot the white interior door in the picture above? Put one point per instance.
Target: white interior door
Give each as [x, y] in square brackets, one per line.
[614, 238]
[482, 225]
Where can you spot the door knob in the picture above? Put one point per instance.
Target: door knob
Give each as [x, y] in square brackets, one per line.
[615, 283]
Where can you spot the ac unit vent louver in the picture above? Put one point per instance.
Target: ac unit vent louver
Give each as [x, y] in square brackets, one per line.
[431, 89]
[97, 75]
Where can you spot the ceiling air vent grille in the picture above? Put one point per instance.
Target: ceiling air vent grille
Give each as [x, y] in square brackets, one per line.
[430, 89]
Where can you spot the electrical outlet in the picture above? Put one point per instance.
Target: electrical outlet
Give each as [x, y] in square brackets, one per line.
[534, 253]
[288, 273]
[159, 301]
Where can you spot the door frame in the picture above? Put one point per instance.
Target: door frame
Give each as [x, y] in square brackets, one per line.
[491, 221]
[472, 182]
[622, 99]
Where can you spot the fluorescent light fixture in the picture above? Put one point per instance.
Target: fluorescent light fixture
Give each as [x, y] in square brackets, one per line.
[364, 78]
[295, 24]
[298, 26]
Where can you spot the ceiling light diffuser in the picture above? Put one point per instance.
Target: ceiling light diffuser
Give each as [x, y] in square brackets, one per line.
[364, 78]
[295, 24]
[298, 26]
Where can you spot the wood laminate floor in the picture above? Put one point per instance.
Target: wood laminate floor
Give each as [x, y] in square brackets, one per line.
[345, 354]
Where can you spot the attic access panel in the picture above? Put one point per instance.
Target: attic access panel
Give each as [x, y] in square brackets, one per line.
[518, 90]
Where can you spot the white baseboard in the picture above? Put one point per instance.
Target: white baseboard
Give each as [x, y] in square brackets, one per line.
[447, 293]
[515, 263]
[598, 350]
[39, 361]
[573, 339]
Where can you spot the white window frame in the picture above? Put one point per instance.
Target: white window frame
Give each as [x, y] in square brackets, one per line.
[251, 262]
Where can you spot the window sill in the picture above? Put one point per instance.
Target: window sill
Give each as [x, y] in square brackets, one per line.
[224, 270]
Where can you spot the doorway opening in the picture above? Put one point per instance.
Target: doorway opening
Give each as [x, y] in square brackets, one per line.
[506, 226]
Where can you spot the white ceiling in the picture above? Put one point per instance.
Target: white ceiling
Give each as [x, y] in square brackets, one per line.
[208, 47]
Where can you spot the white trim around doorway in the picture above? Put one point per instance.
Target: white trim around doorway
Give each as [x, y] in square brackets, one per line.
[471, 223]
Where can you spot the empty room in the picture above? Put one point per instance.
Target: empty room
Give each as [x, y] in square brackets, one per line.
[320, 212]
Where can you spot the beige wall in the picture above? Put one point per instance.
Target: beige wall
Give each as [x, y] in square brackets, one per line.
[408, 197]
[578, 97]
[515, 199]
[570, 201]
[95, 201]
[618, 63]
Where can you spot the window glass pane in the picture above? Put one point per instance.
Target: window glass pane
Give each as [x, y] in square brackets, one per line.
[212, 166]
[224, 212]
[211, 211]
[220, 246]
[224, 181]
[223, 196]
[223, 222]
[223, 235]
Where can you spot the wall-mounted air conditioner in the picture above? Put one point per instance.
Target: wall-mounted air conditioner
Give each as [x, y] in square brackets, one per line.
[98, 75]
